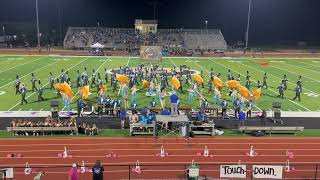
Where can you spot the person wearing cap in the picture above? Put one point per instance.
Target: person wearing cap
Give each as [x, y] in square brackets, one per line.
[73, 172]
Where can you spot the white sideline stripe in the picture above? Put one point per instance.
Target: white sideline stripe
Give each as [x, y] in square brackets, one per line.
[176, 163]
[89, 80]
[268, 89]
[28, 74]
[101, 144]
[48, 82]
[156, 150]
[22, 64]
[225, 67]
[153, 155]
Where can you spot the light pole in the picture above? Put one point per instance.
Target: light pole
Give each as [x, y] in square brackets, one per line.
[207, 33]
[248, 24]
[38, 31]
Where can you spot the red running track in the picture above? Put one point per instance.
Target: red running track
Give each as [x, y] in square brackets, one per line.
[42, 154]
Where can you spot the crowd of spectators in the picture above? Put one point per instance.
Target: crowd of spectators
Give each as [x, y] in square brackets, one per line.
[175, 42]
[83, 128]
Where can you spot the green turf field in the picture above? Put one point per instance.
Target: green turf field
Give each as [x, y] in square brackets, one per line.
[10, 66]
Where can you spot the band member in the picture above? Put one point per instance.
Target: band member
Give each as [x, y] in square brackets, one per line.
[248, 76]
[284, 82]
[51, 81]
[202, 75]
[40, 92]
[259, 84]
[33, 82]
[100, 83]
[23, 91]
[123, 90]
[298, 92]
[85, 77]
[210, 86]
[229, 77]
[249, 107]
[237, 107]
[224, 106]
[265, 78]
[114, 85]
[93, 81]
[238, 78]
[281, 89]
[78, 79]
[180, 80]
[153, 103]
[134, 93]
[17, 85]
[106, 75]
[299, 82]
[217, 96]
[62, 76]
[248, 84]
[211, 74]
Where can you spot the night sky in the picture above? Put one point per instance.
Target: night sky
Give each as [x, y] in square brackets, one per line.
[271, 20]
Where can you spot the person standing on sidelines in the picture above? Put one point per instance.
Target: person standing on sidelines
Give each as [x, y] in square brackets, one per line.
[97, 171]
[299, 82]
[73, 174]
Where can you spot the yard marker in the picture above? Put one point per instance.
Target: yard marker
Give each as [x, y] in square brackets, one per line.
[27, 169]
[206, 152]
[137, 168]
[252, 152]
[287, 167]
[162, 152]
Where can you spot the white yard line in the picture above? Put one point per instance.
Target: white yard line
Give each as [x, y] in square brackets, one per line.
[128, 60]
[275, 77]
[282, 69]
[268, 89]
[28, 74]
[48, 83]
[226, 68]
[302, 68]
[89, 80]
[22, 64]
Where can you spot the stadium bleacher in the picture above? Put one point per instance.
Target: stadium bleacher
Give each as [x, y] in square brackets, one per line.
[129, 39]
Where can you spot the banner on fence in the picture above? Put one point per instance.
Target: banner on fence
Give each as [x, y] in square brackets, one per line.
[267, 172]
[233, 171]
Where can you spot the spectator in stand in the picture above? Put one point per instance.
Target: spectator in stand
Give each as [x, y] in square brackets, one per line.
[97, 171]
[174, 103]
[133, 118]
[73, 175]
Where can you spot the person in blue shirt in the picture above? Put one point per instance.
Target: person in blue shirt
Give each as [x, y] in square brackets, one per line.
[123, 116]
[165, 111]
[200, 116]
[133, 105]
[174, 103]
[242, 117]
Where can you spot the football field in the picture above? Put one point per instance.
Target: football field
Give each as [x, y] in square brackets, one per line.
[308, 68]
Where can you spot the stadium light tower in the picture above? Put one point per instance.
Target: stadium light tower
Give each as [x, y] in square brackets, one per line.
[248, 25]
[38, 31]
